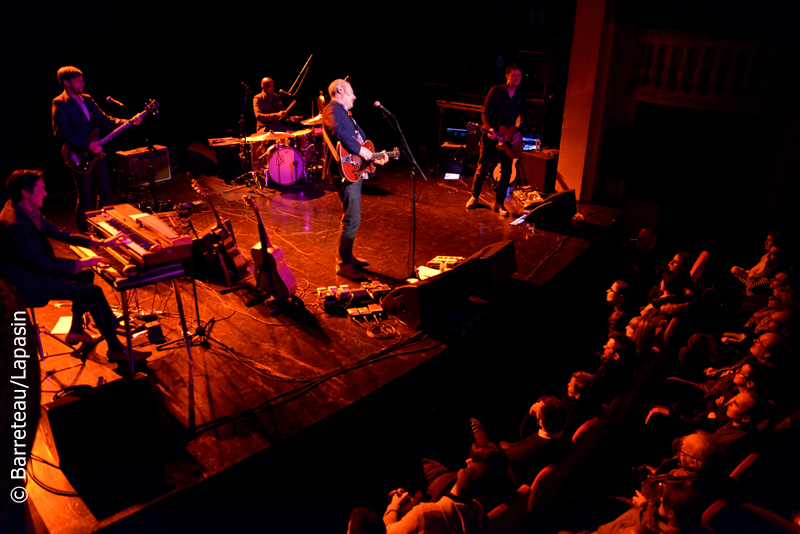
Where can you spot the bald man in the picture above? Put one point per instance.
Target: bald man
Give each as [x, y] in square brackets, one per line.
[340, 127]
[268, 108]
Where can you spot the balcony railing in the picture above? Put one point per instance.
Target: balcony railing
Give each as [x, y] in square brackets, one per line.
[690, 70]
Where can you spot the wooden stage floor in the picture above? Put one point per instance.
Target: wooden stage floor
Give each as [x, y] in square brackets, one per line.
[284, 374]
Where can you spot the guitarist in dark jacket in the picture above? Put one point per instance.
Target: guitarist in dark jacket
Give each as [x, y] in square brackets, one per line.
[504, 104]
[75, 117]
[341, 127]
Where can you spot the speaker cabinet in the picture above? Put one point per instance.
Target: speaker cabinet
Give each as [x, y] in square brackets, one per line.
[428, 302]
[555, 213]
[488, 267]
[451, 158]
[135, 164]
[108, 443]
[538, 170]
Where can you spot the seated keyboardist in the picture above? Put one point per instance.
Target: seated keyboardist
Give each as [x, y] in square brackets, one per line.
[27, 261]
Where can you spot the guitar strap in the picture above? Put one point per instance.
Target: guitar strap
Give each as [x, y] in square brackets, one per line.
[334, 152]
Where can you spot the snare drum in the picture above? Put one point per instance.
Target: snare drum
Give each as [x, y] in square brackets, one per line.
[285, 164]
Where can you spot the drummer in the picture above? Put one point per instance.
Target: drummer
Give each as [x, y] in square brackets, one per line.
[269, 109]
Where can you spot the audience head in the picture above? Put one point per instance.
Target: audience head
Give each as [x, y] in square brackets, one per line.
[746, 409]
[365, 521]
[774, 239]
[749, 375]
[783, 298]
[550, 413]
[619, 348]
[490, 454]
[646, 239]
[22, 181]
[779, 280]
[770, 349]
[681, 262]
[780, 322]
[472, 480]
[673, 282]
[641, 332]
[774, 256]
[681, 506]
[580, 382]
[618, 292]
[699, 452]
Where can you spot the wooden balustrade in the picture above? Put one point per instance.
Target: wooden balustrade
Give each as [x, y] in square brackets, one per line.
[687, 69]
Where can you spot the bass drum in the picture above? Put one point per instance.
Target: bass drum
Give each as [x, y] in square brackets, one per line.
[285, 164]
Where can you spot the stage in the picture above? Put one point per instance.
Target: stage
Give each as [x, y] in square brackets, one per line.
[264, 380]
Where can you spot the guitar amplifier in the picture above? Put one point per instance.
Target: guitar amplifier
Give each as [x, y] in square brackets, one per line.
[134, 164]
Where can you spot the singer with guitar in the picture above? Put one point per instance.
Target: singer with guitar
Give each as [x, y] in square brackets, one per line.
[76, 116]
[269, 110]
[505, 109]
[340, 127]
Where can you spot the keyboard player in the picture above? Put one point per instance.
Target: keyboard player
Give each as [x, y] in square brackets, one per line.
[27, 261]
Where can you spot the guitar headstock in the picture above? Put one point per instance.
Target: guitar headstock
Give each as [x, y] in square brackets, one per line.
[151, 107]
[249, 201]
[196, 186]
[396, 153]
[473, 127]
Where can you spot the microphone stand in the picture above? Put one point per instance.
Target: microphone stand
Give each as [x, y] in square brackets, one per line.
[414, 165]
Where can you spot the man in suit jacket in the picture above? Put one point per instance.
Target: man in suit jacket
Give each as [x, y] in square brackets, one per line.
[340, 127]
[31, 266]
[75, 117]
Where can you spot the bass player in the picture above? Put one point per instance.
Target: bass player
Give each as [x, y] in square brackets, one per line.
[340, 127]
[503, 106]
[75, 117]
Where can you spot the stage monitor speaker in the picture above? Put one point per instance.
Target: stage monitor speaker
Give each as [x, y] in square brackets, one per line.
[539, 170]
[429, 301]
[555, 213]
[108, 443]
[136, 163]
[488, 267]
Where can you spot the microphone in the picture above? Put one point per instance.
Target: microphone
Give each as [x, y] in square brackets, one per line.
[281, 91]
[117, 102]
[247, 88]
[378, 105]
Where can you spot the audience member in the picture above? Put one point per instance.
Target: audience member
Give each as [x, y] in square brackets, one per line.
[619, 295]
[456, 513]
[617, 368]
[540, 445]
[578, 401]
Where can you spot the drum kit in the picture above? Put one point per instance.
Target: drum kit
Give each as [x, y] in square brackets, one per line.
[287, 157]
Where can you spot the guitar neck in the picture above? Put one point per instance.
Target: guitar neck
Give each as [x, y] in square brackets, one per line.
[380, 155]
[115, 133]
[262, 228]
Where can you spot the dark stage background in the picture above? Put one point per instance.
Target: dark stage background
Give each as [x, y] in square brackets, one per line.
[192, 58]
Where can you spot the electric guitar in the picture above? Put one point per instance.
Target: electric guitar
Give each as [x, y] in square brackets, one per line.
[219, 235]
[504, 139]
[82, 161]
[353, 166]
[270, 260]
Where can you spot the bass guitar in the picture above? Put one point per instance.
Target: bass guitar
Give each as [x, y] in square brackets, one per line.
[504, 139]
[222, 240]
[354, 167]
[82, 161]
[270, 261]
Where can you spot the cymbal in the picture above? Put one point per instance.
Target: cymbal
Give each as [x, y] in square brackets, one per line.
[268, 136]
[313, 121]
[298, 133]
